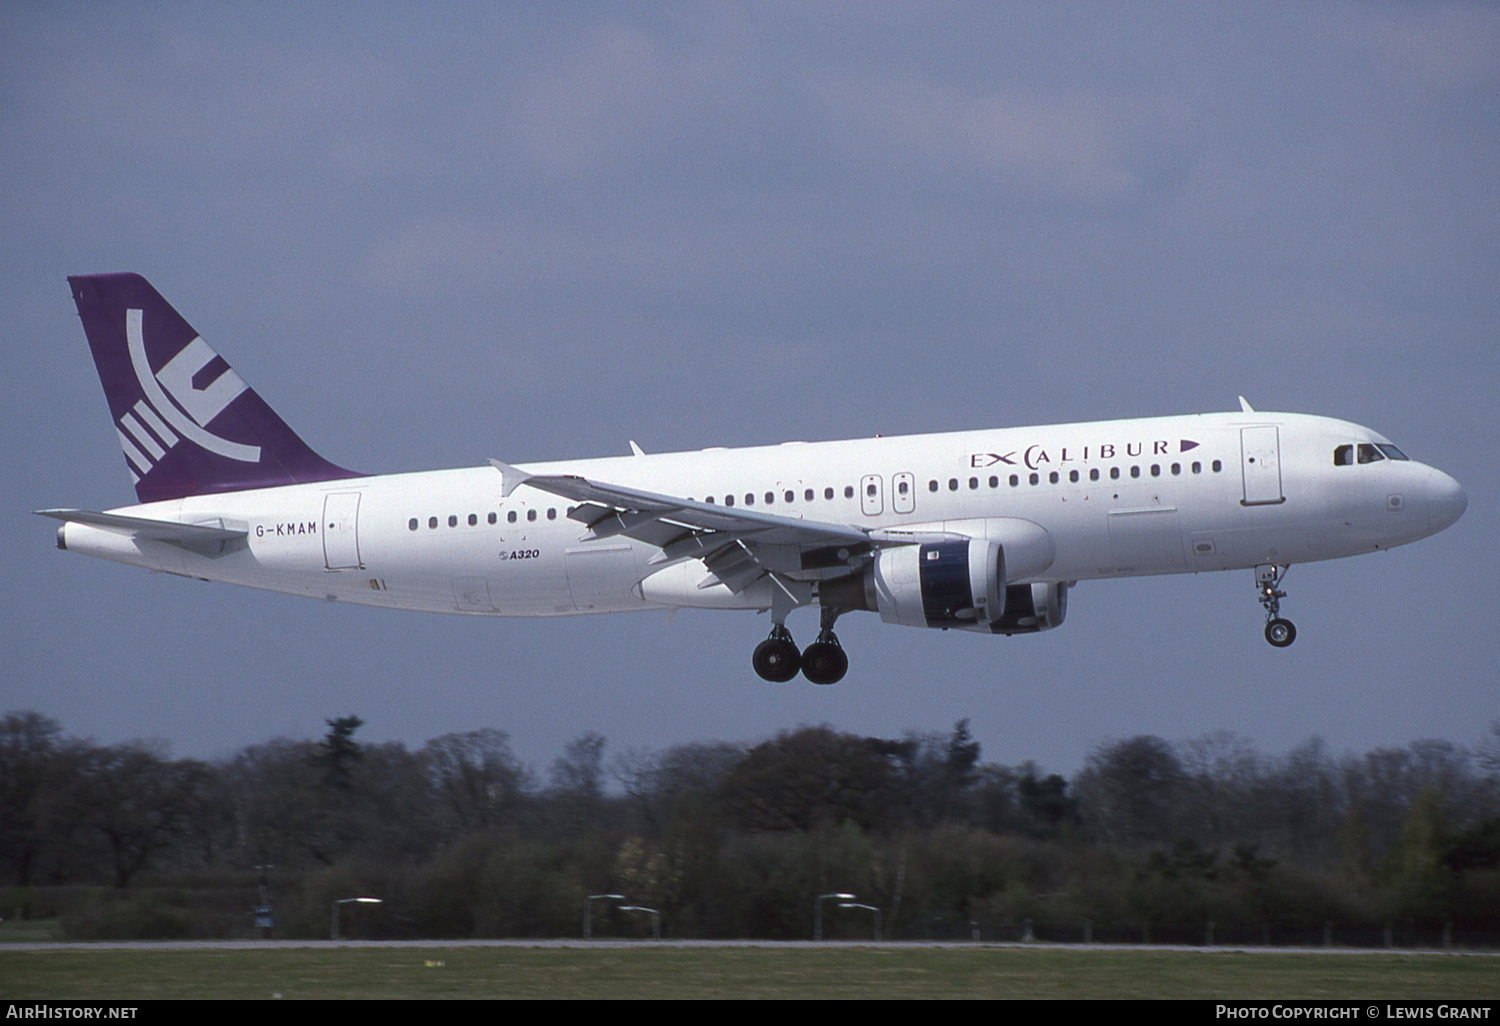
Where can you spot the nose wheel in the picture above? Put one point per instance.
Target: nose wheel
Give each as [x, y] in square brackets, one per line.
[1279, 632]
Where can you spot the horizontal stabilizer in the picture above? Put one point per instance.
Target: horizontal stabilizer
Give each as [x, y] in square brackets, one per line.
[208, 539]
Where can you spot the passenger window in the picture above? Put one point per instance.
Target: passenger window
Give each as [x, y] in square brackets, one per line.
[1156, 470]
[953, 484]
[973, 483]
[870, 489]
[903, 488]
[749, 498]
[1343, 456]
[807, 496]
[411, 525]
[1197, 467]
[827, 493]
[729, 500]
[932, 486]
[1094, 474]
[492, 518]
[431, 523]
[848, 491]
[510, 518]
[452, 520]
[1135, 471]
[1034, 478]
[1073, 476]
[1015, 480]
[1218, 465]
[1114, 473]
[552, 514]
[1176, 469]
[531, 514]
[994, 482]
[1052, 477]
[473, 519]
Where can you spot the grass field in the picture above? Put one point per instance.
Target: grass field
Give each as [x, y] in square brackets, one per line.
[739, 972]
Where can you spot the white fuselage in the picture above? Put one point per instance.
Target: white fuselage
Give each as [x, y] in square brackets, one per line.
[1164, 495]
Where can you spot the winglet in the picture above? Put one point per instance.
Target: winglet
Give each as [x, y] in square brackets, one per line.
[1245, 405]
[510, 477]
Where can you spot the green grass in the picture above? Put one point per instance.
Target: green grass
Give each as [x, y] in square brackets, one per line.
[653, 972]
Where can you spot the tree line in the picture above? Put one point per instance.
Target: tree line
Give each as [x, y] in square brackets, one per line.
[1207, 838]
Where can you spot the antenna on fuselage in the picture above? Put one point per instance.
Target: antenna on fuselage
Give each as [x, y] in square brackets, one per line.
[1245, 405]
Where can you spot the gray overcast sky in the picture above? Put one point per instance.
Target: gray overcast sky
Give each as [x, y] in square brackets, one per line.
[429, 234]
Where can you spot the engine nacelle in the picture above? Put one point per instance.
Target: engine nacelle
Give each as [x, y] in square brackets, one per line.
[1033, 607]
[959, 584]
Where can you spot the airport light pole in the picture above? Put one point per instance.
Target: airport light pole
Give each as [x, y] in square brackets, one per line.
[872, 908]
[818, 911]
[345, 901]
[264, 915]
[655, 918]
[588, 911]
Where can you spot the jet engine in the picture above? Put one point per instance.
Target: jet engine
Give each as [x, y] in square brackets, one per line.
[1033, 607]
[959, 583]
[941, 584]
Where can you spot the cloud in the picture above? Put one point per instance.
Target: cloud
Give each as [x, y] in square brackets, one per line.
[1081, 145]
[618, 93]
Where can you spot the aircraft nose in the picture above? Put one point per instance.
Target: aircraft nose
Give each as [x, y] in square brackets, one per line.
[1445, 500]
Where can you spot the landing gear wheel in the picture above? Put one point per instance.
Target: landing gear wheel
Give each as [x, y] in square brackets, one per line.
[1268, 577]
[1281, 633]
[777, 659]
[824, 661]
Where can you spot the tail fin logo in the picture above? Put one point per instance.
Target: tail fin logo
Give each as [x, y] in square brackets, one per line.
[180, 400]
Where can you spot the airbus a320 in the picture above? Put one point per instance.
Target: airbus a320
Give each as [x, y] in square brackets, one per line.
[976, 530]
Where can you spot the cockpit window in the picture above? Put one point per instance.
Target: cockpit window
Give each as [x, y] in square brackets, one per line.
[1366, 452]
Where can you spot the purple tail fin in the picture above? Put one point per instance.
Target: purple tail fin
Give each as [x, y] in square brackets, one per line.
[189, 425]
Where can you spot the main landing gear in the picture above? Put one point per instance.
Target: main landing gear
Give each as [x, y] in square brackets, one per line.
[777, 659]
[1279, 632]
[823, 662]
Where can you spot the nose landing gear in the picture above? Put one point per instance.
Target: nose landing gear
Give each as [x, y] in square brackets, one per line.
[1279, 632]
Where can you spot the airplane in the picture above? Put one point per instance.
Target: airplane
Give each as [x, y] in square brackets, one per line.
[983, 531]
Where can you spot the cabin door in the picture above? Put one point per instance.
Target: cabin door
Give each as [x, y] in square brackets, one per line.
[341, 531]
[1260, 465]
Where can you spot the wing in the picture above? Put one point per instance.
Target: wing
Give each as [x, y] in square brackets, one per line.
[739, 546]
